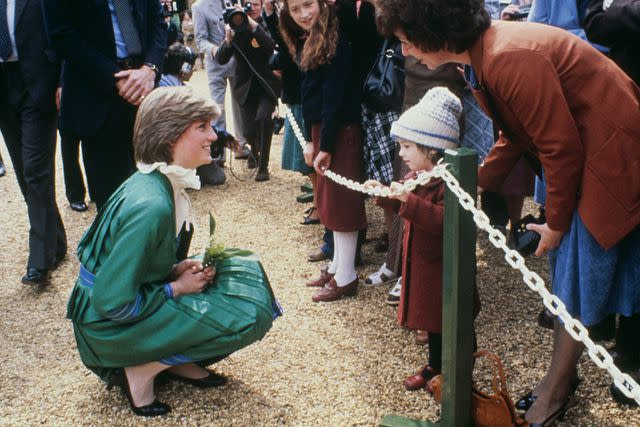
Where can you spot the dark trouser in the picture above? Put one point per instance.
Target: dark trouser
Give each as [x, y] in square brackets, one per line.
[30, 135]
[495, 206]
[73, 180]
[258, 125]
[108, 155]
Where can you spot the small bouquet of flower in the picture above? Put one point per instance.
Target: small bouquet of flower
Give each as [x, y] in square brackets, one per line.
[216, 251]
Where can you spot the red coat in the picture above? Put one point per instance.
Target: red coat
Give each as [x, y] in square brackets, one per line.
[421, 297]
[556, 98]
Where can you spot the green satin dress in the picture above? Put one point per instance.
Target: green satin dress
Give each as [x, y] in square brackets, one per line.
[123, 310]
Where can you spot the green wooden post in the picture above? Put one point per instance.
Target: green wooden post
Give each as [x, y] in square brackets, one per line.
[459, 264]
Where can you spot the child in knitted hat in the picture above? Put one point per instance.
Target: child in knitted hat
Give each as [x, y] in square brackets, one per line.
[424, 131]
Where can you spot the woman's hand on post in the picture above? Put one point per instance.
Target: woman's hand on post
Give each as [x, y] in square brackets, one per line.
[192, 281]
[308, 154]
[322, 162]
[549, 239]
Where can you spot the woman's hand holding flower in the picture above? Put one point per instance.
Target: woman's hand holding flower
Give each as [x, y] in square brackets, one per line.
[191, 277]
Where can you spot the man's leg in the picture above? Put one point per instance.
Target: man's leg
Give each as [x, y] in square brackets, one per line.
[108, 156]
[73, 181]
[217, 89]
[47, 239]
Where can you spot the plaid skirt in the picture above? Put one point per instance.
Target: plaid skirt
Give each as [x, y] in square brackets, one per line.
[378, 148]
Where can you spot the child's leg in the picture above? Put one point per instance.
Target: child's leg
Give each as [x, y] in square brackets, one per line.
[345, 247]
[435, 354]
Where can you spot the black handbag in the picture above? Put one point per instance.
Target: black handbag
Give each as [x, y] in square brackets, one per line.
[522, 240]
[384, 86]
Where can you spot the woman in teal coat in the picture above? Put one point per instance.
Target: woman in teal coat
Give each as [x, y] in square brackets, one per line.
[139, 307]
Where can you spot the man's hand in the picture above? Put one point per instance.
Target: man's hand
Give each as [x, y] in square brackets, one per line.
[134, 85]
[509, 11]
[214, 50]
[269, 7]
[58, 98]
[228, 34]
[252, 24]
[549, 239]
[397, 187]
[322, 162]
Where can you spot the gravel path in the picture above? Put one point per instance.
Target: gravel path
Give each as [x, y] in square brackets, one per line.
[332, 364]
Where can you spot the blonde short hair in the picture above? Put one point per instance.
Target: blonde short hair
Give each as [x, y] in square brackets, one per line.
[163, 116]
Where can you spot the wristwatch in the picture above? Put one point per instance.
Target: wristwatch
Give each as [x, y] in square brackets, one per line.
[153, 68]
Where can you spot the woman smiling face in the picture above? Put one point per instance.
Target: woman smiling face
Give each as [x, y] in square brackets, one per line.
[305, 13]
[193, 148]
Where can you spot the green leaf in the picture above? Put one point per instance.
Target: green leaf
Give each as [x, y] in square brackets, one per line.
[212, 225]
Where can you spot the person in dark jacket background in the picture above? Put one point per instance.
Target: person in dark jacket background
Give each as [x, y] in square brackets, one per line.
[255, 87]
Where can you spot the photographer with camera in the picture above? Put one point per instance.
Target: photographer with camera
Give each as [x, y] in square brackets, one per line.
[254, 87]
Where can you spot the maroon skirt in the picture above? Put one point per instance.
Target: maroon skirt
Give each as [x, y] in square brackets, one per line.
[340, 208]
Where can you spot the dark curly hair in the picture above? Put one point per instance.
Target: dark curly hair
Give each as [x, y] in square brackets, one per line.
[434, 25]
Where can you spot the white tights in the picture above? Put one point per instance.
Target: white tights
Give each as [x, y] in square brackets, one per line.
[344, 256]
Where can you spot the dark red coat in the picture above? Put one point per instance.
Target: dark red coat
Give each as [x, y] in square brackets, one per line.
[421, 297]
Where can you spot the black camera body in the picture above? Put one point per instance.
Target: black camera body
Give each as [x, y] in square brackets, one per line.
[237, 18]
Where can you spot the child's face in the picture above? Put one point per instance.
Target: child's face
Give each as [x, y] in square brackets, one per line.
[193, 148]
[305, 13]
[414, 157]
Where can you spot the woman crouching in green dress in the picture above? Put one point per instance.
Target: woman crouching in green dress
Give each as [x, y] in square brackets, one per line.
[139, 308]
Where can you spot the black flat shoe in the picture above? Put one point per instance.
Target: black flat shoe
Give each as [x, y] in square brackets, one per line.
[525, 402]
[79, 206]
[212, 380]
[545, 319]
[557, 415]
[36, 276]
[618, 395]
[307, 220]
[154, 409]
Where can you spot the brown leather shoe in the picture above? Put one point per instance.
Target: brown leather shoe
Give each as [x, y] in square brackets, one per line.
[331, 291]
[317, 256]
[324, 278]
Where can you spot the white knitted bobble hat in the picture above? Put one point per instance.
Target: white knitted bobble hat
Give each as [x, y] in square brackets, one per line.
[433, 122]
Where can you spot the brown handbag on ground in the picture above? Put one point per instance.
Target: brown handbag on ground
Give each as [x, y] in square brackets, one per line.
[487, 410]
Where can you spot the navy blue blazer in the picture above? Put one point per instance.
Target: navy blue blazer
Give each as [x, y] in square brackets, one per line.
[38, 62]
[81, 32]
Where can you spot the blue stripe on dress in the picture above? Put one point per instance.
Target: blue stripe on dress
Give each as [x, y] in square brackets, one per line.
[176, 359]
[124, 312]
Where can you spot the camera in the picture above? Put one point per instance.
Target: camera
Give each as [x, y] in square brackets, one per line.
[521, 14]
[237, 18]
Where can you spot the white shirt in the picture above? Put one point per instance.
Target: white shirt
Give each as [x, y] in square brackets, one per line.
[11, 23]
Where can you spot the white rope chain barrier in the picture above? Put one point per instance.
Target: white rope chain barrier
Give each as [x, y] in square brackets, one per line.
[578, 332]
